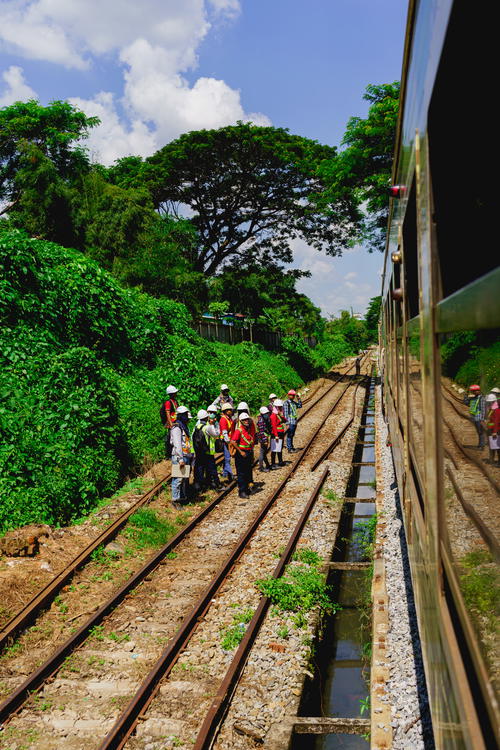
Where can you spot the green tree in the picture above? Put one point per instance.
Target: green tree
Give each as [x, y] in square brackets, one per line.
[350, 328]
[268, 294]
[39, 160]
[372, 317]
[364, 166]
[250, 190]
[160, 263]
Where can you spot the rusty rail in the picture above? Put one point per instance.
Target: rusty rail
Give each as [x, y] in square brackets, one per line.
[51, 665]
[123, 728]
[228, 685]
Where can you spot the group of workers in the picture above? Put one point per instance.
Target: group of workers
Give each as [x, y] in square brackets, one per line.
[485, 415]
[224, 428]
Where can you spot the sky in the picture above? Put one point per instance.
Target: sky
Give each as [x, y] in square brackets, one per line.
[154, 69]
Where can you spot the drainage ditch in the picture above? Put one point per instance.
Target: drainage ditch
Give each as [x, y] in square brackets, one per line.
[339, 692]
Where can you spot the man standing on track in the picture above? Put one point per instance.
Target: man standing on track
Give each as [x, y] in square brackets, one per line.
[224, 397]
[226, 426]
[477, 411]
[243, 441]
[290, 408]
[182, 456]
[264, 435]
[278, 429]
[168, 414]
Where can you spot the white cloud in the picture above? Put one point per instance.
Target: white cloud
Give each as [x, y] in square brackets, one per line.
[113, 139]
[155, 42]
[340, 282]
[17, 89]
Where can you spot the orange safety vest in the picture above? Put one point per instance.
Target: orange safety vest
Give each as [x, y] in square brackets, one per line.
[226, 423]
[281, 426]
[245, 440]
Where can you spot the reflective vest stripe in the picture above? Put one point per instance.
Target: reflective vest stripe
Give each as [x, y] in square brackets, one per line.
[210, 440]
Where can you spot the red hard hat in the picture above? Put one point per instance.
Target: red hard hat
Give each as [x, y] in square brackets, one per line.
[474, 388]
[292, 392]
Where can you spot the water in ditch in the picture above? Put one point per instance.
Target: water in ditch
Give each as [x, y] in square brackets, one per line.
[340, 686]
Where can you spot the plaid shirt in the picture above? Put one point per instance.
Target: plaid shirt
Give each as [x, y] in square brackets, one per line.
[290, 410]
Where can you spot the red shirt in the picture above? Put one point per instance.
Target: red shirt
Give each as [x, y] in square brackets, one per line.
[278, 424]
[171, 409]
[244, 439]
[226, 423]
[493, 421]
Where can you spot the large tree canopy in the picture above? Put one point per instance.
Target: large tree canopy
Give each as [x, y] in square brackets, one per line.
[39, 159]
[365, 165]
[249, 191]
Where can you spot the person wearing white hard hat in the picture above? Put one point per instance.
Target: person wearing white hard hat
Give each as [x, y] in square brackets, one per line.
[243, 408]
[242, 442]
[168, 415]
[182, 455]
[271, 406]
[290, 407]
[493, 426]
[204, 436]
[226, 426]
[224, 397]
[264, 437]
[278, 428]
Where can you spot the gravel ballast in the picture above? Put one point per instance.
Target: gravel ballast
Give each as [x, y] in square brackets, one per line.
[406, 688]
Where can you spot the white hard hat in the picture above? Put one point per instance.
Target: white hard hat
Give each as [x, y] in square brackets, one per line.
[202, 414]
[242, 405]
[278, 402]
[272, 395]
[264, 410]
[244, 415]
[171, 389]
[224, 387]
[491, 397]
[182, 410]
[226, 406]
[495, 390]
[212, 408]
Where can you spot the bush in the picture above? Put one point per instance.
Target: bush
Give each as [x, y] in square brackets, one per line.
[300, 356]
[84, 367]
[331, 352]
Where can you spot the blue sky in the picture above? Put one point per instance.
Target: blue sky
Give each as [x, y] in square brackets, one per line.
[155, 69]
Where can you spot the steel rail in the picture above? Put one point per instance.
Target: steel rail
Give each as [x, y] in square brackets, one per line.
[489, 538]
[126, 723]
[331, 446]
[41, 599]
[25, 615]
[469, 456]
[51, 665]
[221, 702]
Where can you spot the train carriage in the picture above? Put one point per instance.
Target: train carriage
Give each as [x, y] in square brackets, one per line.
[441, 285]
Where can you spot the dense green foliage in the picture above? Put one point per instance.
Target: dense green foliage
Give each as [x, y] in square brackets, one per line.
[472, 357]
[84, 365]
[251, 189]
[365, 165]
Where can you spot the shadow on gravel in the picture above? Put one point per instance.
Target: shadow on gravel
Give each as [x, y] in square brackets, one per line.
[423, 698]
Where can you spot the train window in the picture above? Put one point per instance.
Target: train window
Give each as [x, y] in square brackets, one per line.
[471, 474]
[460, 137]
[416, 417]
[410, 250]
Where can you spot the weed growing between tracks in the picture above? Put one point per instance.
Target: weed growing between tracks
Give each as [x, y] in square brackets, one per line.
[301, 588]
[231, 637]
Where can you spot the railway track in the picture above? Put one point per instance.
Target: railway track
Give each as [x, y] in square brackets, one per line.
[43, 598]
[474, 486]
[151, 588]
